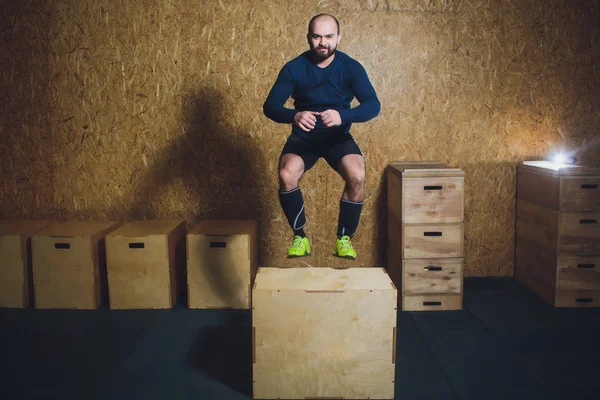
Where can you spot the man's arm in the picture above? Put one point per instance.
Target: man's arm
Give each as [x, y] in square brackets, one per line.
[281, 91]
[369, 107]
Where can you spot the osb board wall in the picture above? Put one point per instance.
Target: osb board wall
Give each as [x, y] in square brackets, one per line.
[153, 109]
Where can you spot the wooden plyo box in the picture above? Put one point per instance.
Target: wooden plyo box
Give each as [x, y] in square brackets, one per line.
[558, 232]
[145, 262]
[69, 265]
[425, 234]
[323, 333]
[16, 282]
[221, 264]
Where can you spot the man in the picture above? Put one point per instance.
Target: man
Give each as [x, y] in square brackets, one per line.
[322, 81]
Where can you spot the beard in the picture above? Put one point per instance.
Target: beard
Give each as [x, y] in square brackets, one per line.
[320, 55]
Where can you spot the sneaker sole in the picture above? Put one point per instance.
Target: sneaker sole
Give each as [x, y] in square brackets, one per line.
[295, 256]
[345, 257]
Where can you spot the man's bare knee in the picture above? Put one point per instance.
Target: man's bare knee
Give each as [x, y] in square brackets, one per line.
[290, 172]
[288, 179]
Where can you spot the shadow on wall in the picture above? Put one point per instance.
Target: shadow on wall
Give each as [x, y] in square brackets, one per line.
[220, 168]
[215, 168]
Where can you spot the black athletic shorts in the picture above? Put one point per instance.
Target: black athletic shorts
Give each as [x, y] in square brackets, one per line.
[331, 150]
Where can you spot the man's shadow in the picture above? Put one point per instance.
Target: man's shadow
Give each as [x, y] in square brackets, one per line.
[217, 171]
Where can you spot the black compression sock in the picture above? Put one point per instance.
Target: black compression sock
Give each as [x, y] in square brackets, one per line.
[299, 232]
[349, 217]
[292, 204]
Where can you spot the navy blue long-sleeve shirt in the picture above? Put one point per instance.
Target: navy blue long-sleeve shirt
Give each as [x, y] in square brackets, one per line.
[318, 89]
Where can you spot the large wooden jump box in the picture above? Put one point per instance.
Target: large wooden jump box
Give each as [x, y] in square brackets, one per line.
[16, 284]
[558, 232]
[425, 234]
[323, 333]
[221, 264]
[145, 262]
[69, 265]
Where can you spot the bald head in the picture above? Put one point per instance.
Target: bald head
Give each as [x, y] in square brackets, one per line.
[323, 17]
[323, 37]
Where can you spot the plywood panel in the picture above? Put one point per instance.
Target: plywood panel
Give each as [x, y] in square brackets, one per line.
[16, 285]
[146, 270]
[432, 302]
[220, 264]
[322, 279]
[535, 267]
[432, 241]
[304, 350]
[580, 194]
[578, 298]
[432, 276]
[64, 273]
[579, 233]
[433, 200]
[124, 110]
[578, 273]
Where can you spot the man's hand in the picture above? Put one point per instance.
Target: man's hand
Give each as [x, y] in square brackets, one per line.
[331, 118]
[306, 120]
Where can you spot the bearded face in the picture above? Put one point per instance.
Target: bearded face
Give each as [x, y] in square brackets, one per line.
[323, 38]
[323, 51]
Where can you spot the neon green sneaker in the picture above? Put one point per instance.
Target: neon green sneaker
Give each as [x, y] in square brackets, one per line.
[343, 248]
[300, 247]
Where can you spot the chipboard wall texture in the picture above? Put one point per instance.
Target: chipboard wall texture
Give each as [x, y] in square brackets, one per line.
[122, 110]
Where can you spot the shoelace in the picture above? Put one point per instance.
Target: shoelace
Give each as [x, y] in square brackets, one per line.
[345, 243]
[297, 242]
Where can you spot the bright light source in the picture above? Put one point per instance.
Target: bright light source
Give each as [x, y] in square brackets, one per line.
[559, 159]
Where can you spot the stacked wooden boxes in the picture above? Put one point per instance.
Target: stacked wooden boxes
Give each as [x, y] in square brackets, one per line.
[16, 283]
[69, 265]
[145, 263]
[221, 264]
[558, 232]
[425, 234]
[323, 333]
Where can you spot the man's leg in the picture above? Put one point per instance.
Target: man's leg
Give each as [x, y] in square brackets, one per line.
[296, 157]
[352, 169]
[291, 169]
[347, 159]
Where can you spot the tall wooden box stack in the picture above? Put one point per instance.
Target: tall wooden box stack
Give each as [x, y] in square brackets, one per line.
[16, 282]
[221, 264]
[558, 232]
[68, 264]
[145, 264]
[323, 333]
[425, 234]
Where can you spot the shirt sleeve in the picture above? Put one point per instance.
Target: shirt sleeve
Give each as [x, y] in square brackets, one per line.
[273, 108]
[369, 107]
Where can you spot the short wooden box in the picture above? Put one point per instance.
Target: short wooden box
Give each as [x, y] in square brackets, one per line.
[432, 302]
[323, 333]
[221, 264]
[432, 241]
[16, 282]
[145, 262]
[559, 232]
[425, 234]
[563, 281]
[432, 276]
[425, 193]
[69, 266]
[568, 188]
